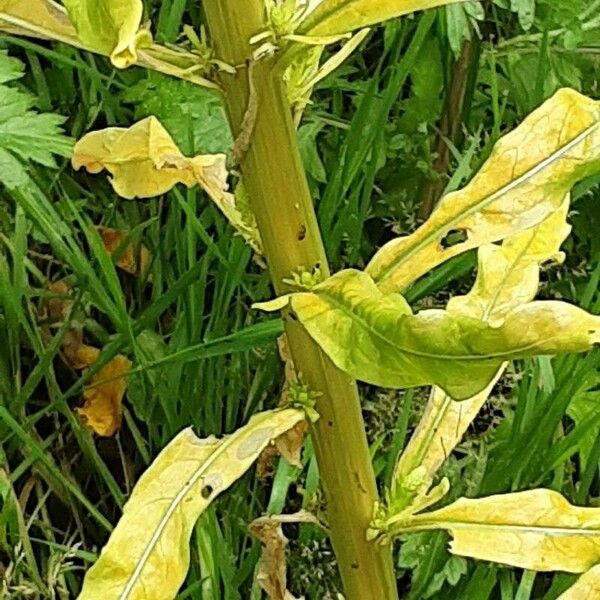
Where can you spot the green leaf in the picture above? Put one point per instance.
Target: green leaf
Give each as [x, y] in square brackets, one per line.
[375, 337]
[194, 116]
[335, 17]
[537, 530]
[525, 180]
[586, 588]
[110, 27]
[25, 135]
[526, 11]
[147, 555]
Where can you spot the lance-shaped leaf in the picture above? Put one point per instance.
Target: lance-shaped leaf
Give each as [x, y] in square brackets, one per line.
[376, 338]
[110, 27]
[335, 17]
[524, 181]
[537, 530]
[147, 555]
[586, 588]
[38, 18]
[507, 277]
[145, 162]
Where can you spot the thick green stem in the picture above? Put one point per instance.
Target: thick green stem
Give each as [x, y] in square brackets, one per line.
[274, 177]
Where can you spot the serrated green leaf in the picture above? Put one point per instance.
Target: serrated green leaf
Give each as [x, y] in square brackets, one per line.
[376, 338]
[25, 135]
[525, 180]
[111, 27]
[537, 530]
[335, 17]
[147, 555]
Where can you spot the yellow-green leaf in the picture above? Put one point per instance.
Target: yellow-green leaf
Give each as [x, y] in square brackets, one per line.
[507, 276]
[586, 588]
[335, 17]
[525, 180]
[38, 18]
[147, 555]
[111, 27]
[537, 530]
[376, 338]
[441, 428]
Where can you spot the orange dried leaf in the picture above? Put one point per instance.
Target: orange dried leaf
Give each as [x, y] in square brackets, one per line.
[104, 396]
[59, 307]
[133, 259]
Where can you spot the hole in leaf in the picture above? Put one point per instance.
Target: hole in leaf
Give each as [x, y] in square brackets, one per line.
[206, 491]
[453, 238]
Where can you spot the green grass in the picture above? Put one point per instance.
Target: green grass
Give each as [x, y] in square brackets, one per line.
[203, 357]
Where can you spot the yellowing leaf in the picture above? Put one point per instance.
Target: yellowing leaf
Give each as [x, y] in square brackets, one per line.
[376, 338]
[442, 426]
[132, 259]
[537, 530]
[524, 181]
[334, 17]
[507, 276]
[38, 18]
[102, 409]
[145, 162]
[147, 555]
[110, 27]
[586, 588]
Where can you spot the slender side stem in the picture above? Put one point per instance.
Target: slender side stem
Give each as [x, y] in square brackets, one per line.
[274, 177]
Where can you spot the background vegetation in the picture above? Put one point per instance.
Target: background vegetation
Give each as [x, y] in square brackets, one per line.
[413, 114]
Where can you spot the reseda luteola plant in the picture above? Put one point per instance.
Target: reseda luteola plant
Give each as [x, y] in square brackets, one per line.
[265, 58]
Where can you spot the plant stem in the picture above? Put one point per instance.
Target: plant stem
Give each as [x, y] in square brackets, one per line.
[274, 177]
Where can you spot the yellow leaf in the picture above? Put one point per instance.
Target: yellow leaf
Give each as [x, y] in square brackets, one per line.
[537, 530]
[132, 259]
[586, 588]
[524, 181]
[507, 276]
[147, 555]
[399, 349]
[145, 162]
[335, 17]
[110, 27]
[102, 409]
[38, 18]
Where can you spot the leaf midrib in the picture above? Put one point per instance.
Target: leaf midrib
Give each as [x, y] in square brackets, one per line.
[388, 271]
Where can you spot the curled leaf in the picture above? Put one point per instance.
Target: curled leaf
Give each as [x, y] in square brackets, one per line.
[525, 180]
[132, 259]
[271, 574]
[147, 555]
[507, 276]
[110, 27]
[537, 530]
[400, 349]
[145, 162]
[103, 397]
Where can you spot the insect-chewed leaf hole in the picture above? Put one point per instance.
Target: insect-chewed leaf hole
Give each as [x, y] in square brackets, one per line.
[453, 238]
